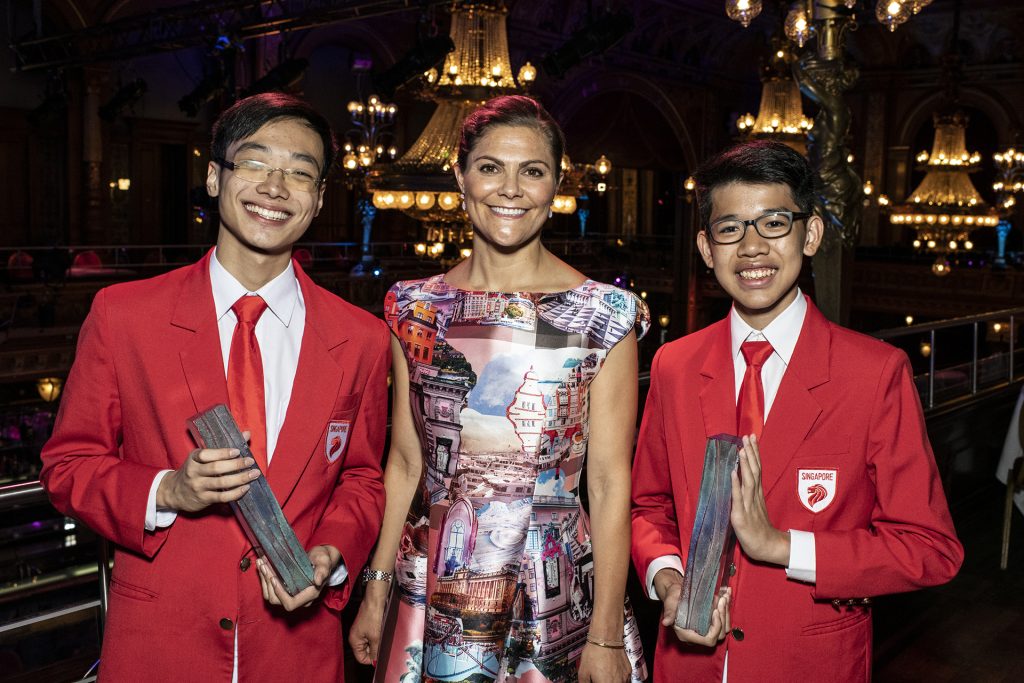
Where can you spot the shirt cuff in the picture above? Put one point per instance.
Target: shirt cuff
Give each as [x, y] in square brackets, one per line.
[656, 565]
[162, 517]
[803, 564]
[339, 575]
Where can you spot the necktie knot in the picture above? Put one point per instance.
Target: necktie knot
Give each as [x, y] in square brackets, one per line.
[248, 309]
[756, 352]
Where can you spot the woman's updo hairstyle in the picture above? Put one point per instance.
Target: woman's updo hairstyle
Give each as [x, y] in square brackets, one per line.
[511, 110]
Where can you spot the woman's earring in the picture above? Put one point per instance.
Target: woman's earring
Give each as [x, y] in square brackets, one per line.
[462, 196]
[550, 212]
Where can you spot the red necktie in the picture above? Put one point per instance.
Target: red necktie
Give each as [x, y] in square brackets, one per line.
[245, 377]
[750, 403]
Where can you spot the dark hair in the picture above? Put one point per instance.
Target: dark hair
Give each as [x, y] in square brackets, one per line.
[246, 116]
[757, 162]
[511, 110]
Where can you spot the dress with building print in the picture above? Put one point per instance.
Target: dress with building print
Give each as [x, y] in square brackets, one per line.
[495, 572]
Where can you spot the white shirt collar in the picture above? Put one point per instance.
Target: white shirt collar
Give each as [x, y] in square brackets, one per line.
[281, 293]
[782, 333]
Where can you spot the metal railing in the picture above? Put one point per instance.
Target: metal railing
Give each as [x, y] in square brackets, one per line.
[122, 258]
[992, 368]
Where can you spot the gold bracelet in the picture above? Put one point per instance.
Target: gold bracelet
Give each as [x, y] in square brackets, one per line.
[611, 645]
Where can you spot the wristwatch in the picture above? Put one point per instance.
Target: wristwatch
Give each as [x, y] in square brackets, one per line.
[376, 575]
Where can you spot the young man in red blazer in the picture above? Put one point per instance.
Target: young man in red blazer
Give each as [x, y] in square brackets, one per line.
[188, 598]
[837, 499]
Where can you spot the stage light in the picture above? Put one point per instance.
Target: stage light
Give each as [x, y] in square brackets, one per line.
[126, 96]
[594, 38]
[281, 78]
[428, 53]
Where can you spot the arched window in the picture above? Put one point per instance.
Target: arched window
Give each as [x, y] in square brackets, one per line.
[456, 540]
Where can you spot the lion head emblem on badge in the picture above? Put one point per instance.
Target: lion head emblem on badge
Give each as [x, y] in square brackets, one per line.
[816, 494]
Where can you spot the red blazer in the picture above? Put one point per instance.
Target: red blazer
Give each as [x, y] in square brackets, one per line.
[148, 358]
[846, 404]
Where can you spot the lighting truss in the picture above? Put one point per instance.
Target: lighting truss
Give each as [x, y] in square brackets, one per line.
[195, 24]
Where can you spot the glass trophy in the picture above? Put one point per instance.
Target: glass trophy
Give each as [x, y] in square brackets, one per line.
[712, 540]
[258, 510]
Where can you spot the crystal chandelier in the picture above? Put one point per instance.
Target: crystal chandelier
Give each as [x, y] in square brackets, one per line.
[945, 207]
[365, 142]
[780, 116]
[580, 179]
[421, 183]
[1010, 177]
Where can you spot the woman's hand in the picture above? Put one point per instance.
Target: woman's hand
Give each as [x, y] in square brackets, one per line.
[364, 635]
[604, 665]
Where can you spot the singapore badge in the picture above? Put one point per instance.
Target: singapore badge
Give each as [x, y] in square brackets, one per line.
[337, 437]
[816, 488]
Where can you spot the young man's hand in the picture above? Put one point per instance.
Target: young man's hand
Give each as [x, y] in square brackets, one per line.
[208, 476]
[755, 533]
[324, 558]
[668, 584]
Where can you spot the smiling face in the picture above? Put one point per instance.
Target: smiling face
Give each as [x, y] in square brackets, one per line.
[266, 218]
[509, 182]
[759, 274]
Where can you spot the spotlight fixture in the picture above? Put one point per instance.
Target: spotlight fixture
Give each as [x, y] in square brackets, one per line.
[219, 76]
[126, 96]
[208, 88]
[595, 37]
[281, 78]
[427, 54]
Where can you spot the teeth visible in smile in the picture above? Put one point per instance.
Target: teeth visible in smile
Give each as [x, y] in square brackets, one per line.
[267, 213]
[503, 211]
[757, 273]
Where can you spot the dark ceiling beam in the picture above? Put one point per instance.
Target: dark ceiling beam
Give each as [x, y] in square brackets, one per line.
[194, 24]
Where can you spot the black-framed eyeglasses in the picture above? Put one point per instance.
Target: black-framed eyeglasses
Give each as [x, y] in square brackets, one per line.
[770, 226]
[253, 171]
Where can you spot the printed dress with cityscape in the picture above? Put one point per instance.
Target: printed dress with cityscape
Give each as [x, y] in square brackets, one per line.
[495, 573]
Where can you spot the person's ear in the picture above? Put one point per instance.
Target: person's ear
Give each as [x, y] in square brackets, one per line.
[213, 179]
[459, 178]
[320, 198]
[704, 246]
[813, 235]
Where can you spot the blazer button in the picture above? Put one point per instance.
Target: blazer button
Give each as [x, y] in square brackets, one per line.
[244, 564]
[738, 634]
[226, 624]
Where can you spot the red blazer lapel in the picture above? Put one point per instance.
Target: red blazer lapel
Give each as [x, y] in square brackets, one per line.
[717, 395]
[795, 409]
[318, 380]
[201, 358]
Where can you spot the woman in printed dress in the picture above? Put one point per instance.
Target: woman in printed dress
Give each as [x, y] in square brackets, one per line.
[509, 370]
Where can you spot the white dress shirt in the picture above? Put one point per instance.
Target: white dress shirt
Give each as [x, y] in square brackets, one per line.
[279, 333]
[782, 333]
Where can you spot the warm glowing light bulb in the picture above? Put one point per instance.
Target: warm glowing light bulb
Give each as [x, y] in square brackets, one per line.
[527, 74]
[424, 200]
[743, 11]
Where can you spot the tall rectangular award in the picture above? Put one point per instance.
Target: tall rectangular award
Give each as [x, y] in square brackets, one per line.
[712, 540]
[258, 510]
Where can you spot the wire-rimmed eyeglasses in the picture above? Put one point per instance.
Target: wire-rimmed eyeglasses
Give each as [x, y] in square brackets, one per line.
[253, 171]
